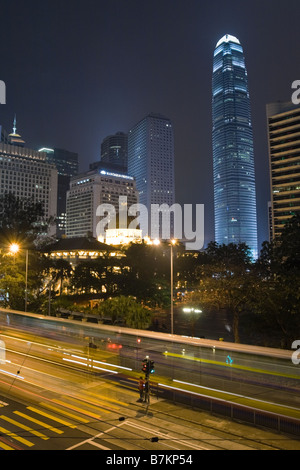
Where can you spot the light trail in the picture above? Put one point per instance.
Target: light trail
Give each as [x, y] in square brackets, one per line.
[18, 376]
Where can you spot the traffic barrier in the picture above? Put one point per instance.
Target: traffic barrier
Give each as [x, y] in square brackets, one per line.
[242, 413]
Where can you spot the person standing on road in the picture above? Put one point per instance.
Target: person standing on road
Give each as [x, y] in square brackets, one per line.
[147, 391]
[141, 388]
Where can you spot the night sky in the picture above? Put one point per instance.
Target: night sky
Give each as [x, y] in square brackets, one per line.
[77, 71]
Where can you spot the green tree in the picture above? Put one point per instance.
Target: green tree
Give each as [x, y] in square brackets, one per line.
[13, 279]
[21, 219]
[21, 222]
[148, 276]
[275, 299]
[224, 272]
[126, 309]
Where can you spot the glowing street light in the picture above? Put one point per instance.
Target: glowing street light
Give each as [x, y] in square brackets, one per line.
[192, 310]
[14, 248]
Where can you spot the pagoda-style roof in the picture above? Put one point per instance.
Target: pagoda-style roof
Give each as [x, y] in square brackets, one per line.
[87, 244]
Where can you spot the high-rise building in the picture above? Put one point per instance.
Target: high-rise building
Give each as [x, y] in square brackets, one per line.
[66, 163]
[114, 150]
[283, 121]
[151, 162]
[233, 155]
[27, 174]
[90, 190]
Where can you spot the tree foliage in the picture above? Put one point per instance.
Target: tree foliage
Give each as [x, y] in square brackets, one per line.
[126, 309]
[275, 301]
[21, 219]
[224, 273]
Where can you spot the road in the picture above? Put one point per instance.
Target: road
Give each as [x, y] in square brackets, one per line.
[51, 406]
[261, 374]
[103, 417]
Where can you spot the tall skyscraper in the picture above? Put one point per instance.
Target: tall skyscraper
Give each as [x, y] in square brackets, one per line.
[151, 161]
[233, 155]
[114, 149]
[283, 120]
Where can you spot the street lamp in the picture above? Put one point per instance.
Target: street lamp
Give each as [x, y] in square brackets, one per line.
[192, 311]
[173, 242]
[15, 248]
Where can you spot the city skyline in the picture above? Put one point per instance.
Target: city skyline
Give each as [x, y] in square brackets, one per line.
[157, 58]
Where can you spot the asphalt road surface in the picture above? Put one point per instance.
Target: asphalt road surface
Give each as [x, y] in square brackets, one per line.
[102, 415]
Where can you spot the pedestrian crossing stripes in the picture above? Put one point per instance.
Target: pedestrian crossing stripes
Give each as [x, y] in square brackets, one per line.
[42, 413]
[5, 446]
[30, 426]
[40, 423]
[65, 413]
[33, 424]
[23, 426]
[16, 437]
[79, 409]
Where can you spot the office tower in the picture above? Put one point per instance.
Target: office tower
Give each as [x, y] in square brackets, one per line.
[66, 163]
[283, 121]
[88, 191]
[27, 174]
[114, 149]
[151, 163]
[233, 155]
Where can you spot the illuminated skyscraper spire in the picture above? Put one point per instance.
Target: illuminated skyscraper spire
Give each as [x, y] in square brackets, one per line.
[15, 125]
[14, 138]
[233, 155]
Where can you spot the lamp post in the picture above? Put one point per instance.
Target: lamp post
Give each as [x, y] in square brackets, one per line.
[192, 311]
[14, 248]
[173, 242]
[26, 279]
